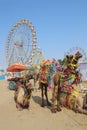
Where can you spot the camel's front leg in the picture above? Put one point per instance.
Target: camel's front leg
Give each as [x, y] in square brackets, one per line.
[42, 94]
[54, 99]
[46, 95]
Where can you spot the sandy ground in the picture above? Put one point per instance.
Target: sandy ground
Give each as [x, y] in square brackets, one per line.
[37, 118]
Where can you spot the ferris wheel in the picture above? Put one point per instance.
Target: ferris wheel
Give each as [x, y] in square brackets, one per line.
[20, 42]
[36, 57]
[73, 50]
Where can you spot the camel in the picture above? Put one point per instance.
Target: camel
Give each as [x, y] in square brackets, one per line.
[71, 98]
[60, 80]
[22, 96]
[43, 83]
[44, 87]
[75, 101]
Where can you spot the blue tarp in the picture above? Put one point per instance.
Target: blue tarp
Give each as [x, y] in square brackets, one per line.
[2, 78]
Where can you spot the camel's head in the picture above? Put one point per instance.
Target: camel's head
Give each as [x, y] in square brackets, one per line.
[69, 58]
[78, 55]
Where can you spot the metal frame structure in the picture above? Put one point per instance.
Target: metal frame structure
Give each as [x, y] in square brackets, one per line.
[20, 42]
[36, 57]
[73, 50]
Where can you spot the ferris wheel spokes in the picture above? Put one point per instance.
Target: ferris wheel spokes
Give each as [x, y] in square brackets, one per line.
[21, 41]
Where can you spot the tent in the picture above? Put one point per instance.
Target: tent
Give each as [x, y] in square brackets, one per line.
[16, 67]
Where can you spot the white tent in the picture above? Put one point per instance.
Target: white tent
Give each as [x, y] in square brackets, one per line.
[83, 70]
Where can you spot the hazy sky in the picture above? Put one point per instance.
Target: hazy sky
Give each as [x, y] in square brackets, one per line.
[59, 24]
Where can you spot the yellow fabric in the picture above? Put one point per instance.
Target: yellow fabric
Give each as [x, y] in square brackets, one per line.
[43, 81]
[73, 65]
[75, 93]
[71, 101]
[72, 98]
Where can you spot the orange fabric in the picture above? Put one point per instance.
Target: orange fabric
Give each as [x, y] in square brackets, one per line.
[16, 67]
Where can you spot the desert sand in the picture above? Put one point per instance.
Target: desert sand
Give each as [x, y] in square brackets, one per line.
[36, 118]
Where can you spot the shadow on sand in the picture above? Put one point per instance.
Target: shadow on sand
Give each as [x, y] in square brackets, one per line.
[38, 100]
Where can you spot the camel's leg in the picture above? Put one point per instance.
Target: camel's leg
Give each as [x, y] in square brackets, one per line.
[39, 86]
[35, 88]
[54, 100]
[55, 104]
[46, 95]
[58, 105]
[35, 81]
[42, 94]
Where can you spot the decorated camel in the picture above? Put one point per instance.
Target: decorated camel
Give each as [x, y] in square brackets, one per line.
[44, 81]
[64, 81]
[22, 95]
